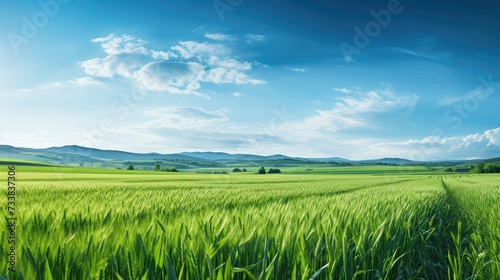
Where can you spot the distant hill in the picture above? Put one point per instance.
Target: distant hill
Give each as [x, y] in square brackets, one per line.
[77, 155]
[111, 154]
[400, 161]
[5, 149]
[225, 157]
[330, 159]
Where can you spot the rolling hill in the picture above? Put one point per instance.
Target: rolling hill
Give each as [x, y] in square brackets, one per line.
[84, 156]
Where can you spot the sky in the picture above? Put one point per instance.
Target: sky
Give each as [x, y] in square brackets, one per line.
[355, 79]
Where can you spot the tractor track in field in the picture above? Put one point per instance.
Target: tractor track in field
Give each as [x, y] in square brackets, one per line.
[456, 211]
[458, 227]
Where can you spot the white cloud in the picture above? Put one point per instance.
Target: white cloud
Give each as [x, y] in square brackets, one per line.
[85, 81]
[374, 101]
[173, 77]
[113, 44]
[229, 63]
[237, 94]
[301, 70]
[493, 136]
[222, 75]
[250, 38]
[190, 49]
[219, 37]
[358, 110]
[182, 69]
[117, 64]
[478, 145]
[161, 55]
[343, 90]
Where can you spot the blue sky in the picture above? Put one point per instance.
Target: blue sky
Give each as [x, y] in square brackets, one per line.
[354, 79]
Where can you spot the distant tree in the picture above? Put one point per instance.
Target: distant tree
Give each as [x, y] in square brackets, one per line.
[170, 169]
[448, 170]
[273, 171]
[487, 168]
[236, 170]
[262, 170]
[479, 168]
[244, 170]
[130, 167]
[492, 168]
[157, 167]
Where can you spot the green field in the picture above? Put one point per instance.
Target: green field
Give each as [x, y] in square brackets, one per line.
[365, 222]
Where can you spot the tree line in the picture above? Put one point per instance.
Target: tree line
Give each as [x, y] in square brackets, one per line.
[487, 168]
[262, 170]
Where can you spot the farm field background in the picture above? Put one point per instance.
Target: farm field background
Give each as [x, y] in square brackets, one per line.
[364, 222]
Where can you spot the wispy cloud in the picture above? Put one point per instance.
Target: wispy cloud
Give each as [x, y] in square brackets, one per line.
[348, 59]
[52, 85]
[316, 134]
[374, 101]
[343, 90]
[357, 110]
[261, 65]
[301, 70]
[423, 53]
[425, 48]
[184, 118]
[79, 82]
[250, 38]
[85, 81]
[237, 94]
[181, 69]
[476, 94]
[220, 37]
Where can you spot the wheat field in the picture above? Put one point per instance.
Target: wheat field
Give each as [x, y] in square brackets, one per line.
[78, 224]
